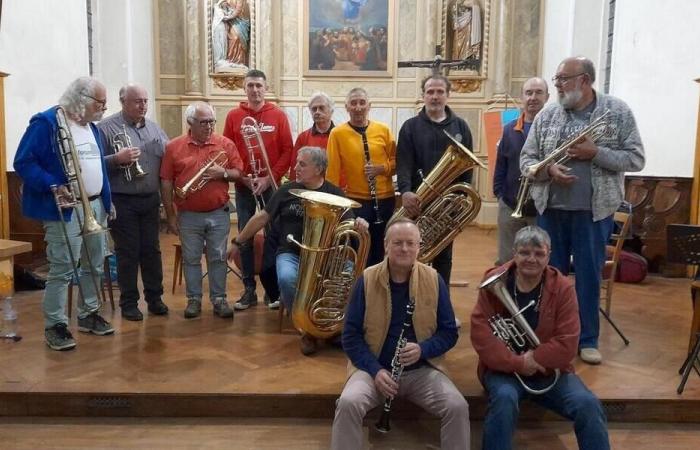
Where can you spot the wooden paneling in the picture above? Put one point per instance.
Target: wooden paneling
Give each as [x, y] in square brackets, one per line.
[23, 228]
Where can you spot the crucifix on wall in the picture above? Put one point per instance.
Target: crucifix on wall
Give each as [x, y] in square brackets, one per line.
[438, 63]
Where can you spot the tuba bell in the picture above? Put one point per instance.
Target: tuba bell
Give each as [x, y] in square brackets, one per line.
[514, 331]
[328, 264]
[445, 211]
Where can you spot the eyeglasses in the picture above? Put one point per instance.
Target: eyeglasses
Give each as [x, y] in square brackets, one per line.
[538, 254]
[207, 123]
[564, 78]
[102, 103]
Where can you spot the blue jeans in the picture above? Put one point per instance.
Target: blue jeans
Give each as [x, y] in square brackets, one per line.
[196, 230]
[574, 233]
[287, 274]
[61, 269]
[569, 398]
[246, 207]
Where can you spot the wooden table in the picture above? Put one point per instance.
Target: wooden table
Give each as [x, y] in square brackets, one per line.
[8, 249]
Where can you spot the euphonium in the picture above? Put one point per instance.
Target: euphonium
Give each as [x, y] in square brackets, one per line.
[595, 130]
[198, 181]
[133, 169]
[514, 331]
[68, 155]
[445, 211]
[254, 143]
[328, 264]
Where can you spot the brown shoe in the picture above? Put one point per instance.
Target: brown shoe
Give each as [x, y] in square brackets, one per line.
[308, 344]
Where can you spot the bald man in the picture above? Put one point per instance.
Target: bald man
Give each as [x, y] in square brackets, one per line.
[506, 176]
[136, 197]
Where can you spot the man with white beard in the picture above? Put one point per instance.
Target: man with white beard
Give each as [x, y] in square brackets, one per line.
[576, 201]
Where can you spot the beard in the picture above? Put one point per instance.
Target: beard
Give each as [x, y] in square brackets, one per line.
[569, 99]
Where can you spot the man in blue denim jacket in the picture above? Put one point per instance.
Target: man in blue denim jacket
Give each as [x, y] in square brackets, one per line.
[576, 201]
[39, 164]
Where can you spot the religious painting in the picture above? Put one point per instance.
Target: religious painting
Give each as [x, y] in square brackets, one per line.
[348, 37]
[230, 35]
[465, 31]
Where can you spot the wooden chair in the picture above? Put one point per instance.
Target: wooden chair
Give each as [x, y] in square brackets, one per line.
[610, 268]
[179, 270]
[106, 285]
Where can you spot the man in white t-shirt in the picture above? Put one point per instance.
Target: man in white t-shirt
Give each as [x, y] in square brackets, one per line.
[45, 195]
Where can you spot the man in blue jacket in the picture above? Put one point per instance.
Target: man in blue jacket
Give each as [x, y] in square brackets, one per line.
[506, 175]
[422, 142]
[39, 164]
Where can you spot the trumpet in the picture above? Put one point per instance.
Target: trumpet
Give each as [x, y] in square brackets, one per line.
[133, 169]
[198, 181]
[595, 130]
[254, 142]
[514, 331]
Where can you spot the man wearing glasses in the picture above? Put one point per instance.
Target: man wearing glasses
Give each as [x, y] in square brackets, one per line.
[38, 163]
[576, 201]
[202, 218]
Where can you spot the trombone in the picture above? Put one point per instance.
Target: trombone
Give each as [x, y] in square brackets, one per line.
[122, 140]
[254, 143]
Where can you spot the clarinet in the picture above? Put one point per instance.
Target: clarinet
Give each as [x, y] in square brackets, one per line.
[383, 425]
[371, 181]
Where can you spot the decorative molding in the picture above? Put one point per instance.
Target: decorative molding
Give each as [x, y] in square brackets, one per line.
[466, 85]
[227, 81]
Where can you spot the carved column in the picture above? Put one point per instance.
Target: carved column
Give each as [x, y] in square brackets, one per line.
[195, 39]
[501, 53]
[266, 53]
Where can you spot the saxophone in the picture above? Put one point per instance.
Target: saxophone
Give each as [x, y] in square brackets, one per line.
[383, 425]
[328, 264]
[445, 211]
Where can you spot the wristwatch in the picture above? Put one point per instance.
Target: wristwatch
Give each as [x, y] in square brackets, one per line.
[225, 174]
[235, 242]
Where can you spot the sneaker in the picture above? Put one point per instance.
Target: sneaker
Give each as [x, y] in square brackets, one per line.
[59, 338]
[157, 308]
[307, 345]
[274, 305]
[95, 324]
[590, 356]
[131, 313]
[194, 308]
[248, 299]
[222, 309]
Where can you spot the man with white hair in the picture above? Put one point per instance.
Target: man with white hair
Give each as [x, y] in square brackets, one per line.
[321, 108]
[38, 164]
[203, 216]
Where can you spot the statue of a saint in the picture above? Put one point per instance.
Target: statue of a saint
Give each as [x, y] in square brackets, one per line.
[466, 26]
[230, 34]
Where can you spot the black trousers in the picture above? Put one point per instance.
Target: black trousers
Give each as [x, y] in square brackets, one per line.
[136, 243]
[443, 264]
[376, 230]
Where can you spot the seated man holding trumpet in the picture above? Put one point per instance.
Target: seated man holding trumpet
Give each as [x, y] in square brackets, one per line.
[286, 208]
[516, 362]
[198, 167]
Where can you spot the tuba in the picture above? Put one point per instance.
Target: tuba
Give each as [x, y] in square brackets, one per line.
[514, 331]
[328, 264]
[254, 143]
[595, 130]
[133, 169]
[445, 210]
[198, 181]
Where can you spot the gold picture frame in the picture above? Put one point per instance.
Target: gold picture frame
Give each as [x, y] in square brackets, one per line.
[348, 39]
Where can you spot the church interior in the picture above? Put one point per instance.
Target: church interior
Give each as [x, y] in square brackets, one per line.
[171, 382]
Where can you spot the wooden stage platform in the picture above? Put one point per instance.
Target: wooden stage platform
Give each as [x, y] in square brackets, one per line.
[172, 367]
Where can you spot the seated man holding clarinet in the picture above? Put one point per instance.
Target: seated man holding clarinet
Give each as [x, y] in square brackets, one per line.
[399, 324]
[515, 362]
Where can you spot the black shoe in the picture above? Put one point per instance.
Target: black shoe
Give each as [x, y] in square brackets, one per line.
[157, 308]
[248, 299]
[132, 313]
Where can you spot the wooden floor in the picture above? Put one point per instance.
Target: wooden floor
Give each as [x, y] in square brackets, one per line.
[169, 366]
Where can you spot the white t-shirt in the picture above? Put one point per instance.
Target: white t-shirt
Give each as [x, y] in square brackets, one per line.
[89, 156]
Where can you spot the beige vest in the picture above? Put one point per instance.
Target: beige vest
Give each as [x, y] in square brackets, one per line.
[423, 288]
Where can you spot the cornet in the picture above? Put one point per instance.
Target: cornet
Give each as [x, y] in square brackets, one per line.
[133, 169]
[198, 181]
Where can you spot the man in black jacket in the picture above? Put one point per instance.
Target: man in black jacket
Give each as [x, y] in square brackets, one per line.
[422, 143]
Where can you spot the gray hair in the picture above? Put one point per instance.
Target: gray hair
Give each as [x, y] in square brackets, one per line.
[325, 97]
[78, 95]
[356, 90]
[192, 110]
[532, 235]
[399, 221]
[318, 157]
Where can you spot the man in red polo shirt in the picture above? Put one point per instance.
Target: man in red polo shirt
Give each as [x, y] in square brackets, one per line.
[203, 211]
[321, 108]
[274, 130]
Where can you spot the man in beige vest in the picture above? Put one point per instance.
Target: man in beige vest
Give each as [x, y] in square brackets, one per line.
[373, 323]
